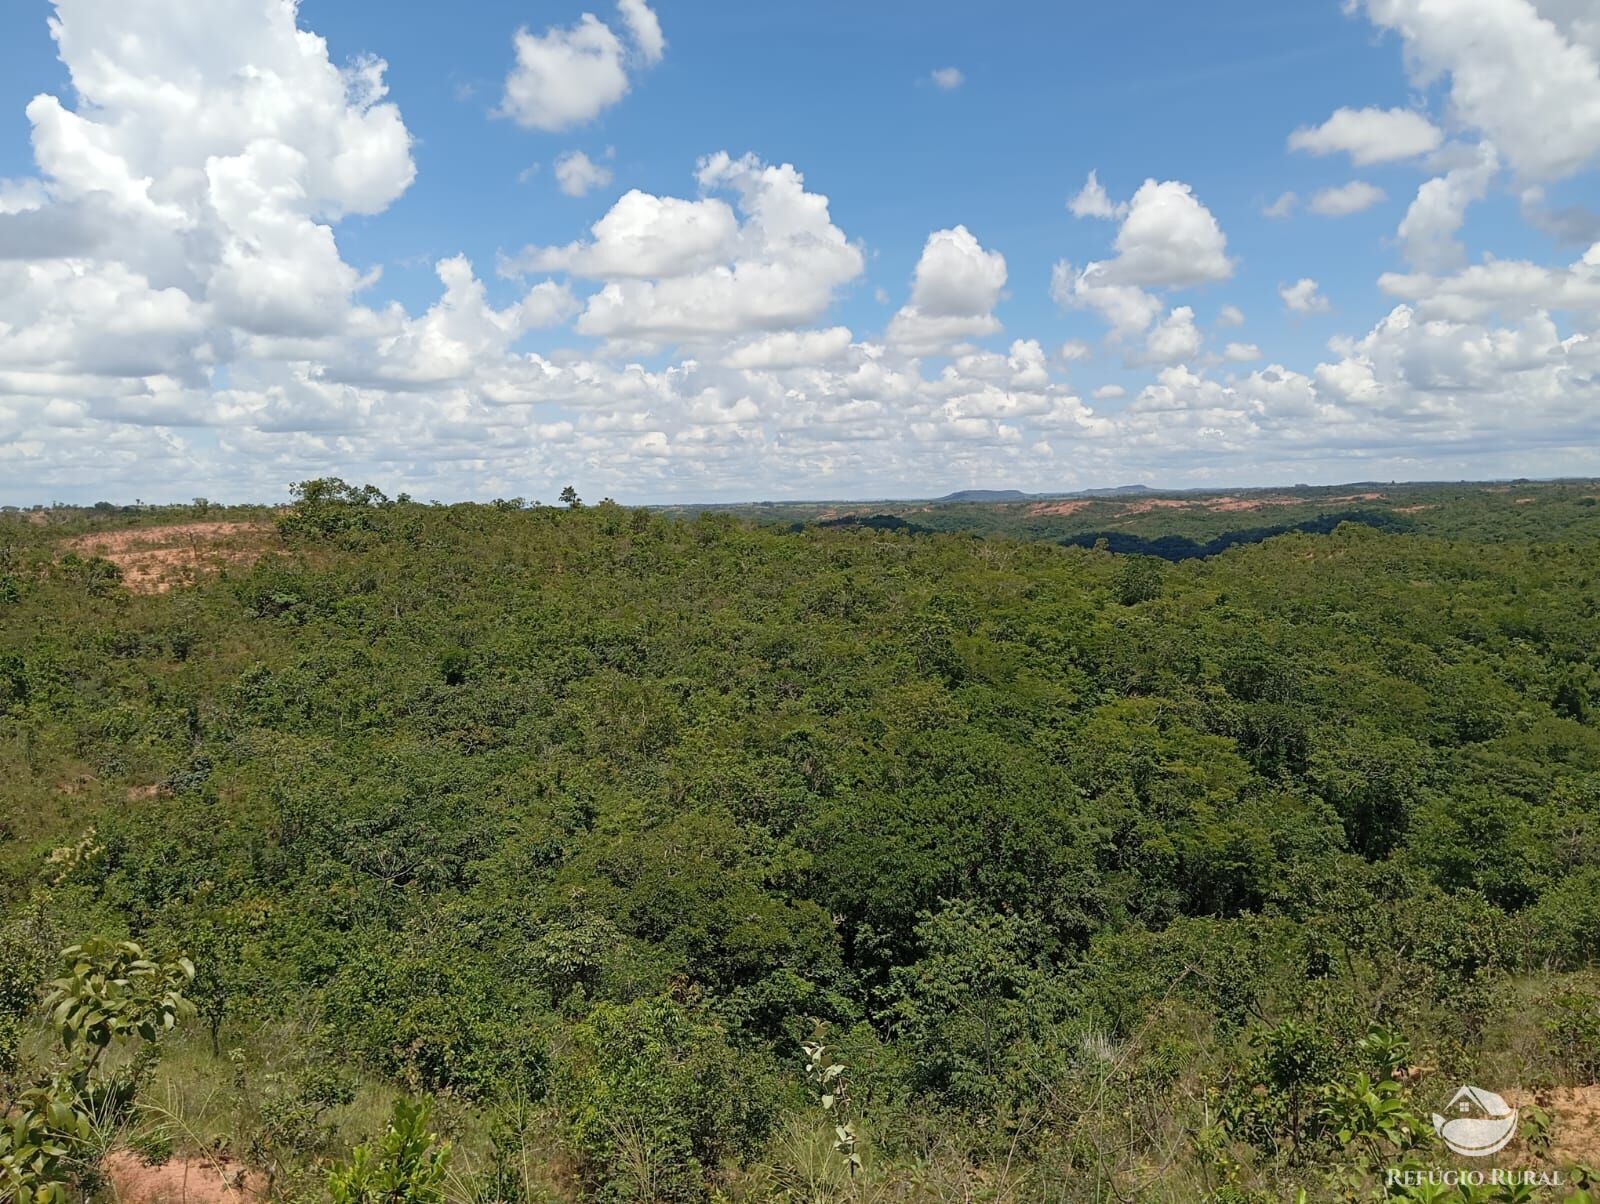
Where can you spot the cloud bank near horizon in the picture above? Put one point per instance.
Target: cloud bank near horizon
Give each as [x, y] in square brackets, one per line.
[177, 315]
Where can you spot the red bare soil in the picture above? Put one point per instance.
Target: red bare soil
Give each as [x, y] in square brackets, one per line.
[154, 559]
[1158, 503]
[1256, 503]
[1574, 1121]
[1041, 509]
[180, 1181]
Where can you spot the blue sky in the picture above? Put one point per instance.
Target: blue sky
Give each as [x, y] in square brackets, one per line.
[299, 328]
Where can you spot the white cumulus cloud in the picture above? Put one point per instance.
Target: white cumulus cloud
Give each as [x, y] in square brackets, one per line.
[1346, 199]
[1428, 230]
[202, 191]
[1167, 240]
[644, 27]
[954, 290]
[791, 349]
[1175, 339]
[1513, 289]
[1529, 83]
[644, 236]
[568, 75]
[1092, 200]
[1370, 135]
[677, 270]
[177, 303]
[1304, 296]
[578, 175]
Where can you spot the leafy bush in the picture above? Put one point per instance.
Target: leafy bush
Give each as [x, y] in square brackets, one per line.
[976, 1005]
[655, 1100]
[1571, 1023]
[406, 1166]
[111, 996]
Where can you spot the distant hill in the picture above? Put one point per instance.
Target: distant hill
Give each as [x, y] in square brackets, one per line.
[985, 495]
[1118, 491]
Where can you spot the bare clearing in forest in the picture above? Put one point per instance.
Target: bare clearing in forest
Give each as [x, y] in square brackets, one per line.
[154, 559]
[1574, 1121]
[1040, 509]
[1229, 504]
[1158, 503]
[179, 1181]
[1256, 503]
[1220, 504]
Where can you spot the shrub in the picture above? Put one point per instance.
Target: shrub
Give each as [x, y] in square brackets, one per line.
[655, 1101]
[407, 1166]
[112, 996]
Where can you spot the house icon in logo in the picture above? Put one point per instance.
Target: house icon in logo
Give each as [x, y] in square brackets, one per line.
[1480, 1124]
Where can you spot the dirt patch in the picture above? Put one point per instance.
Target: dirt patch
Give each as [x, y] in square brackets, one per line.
[154, 559]
[75, 785]
[1415, 509]
[1041, 509]
[139, 794]
[181, 1181]
[1228, 504]
[1158, 503]
[1523, 501]
[1574, 1121]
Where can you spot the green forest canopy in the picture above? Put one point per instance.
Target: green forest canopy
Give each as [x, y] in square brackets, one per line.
[1095, 869]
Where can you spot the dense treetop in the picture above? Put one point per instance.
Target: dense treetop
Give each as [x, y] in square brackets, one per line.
[501, 799]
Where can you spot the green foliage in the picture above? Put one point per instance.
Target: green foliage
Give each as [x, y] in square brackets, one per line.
[1571, 1023]
[655, 1100]
[46, 1145]
[293, 1112]
[111, 995]
[113, 991]
[1373, 1115]
[25, 959]
[1564, 925]
[832, 1083]
[93, 575]
[328, 507]
[432, 1023]
[1277, 1103]
[976, 1005]
[406, 1166]
[598, 809]
[1139, 580]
